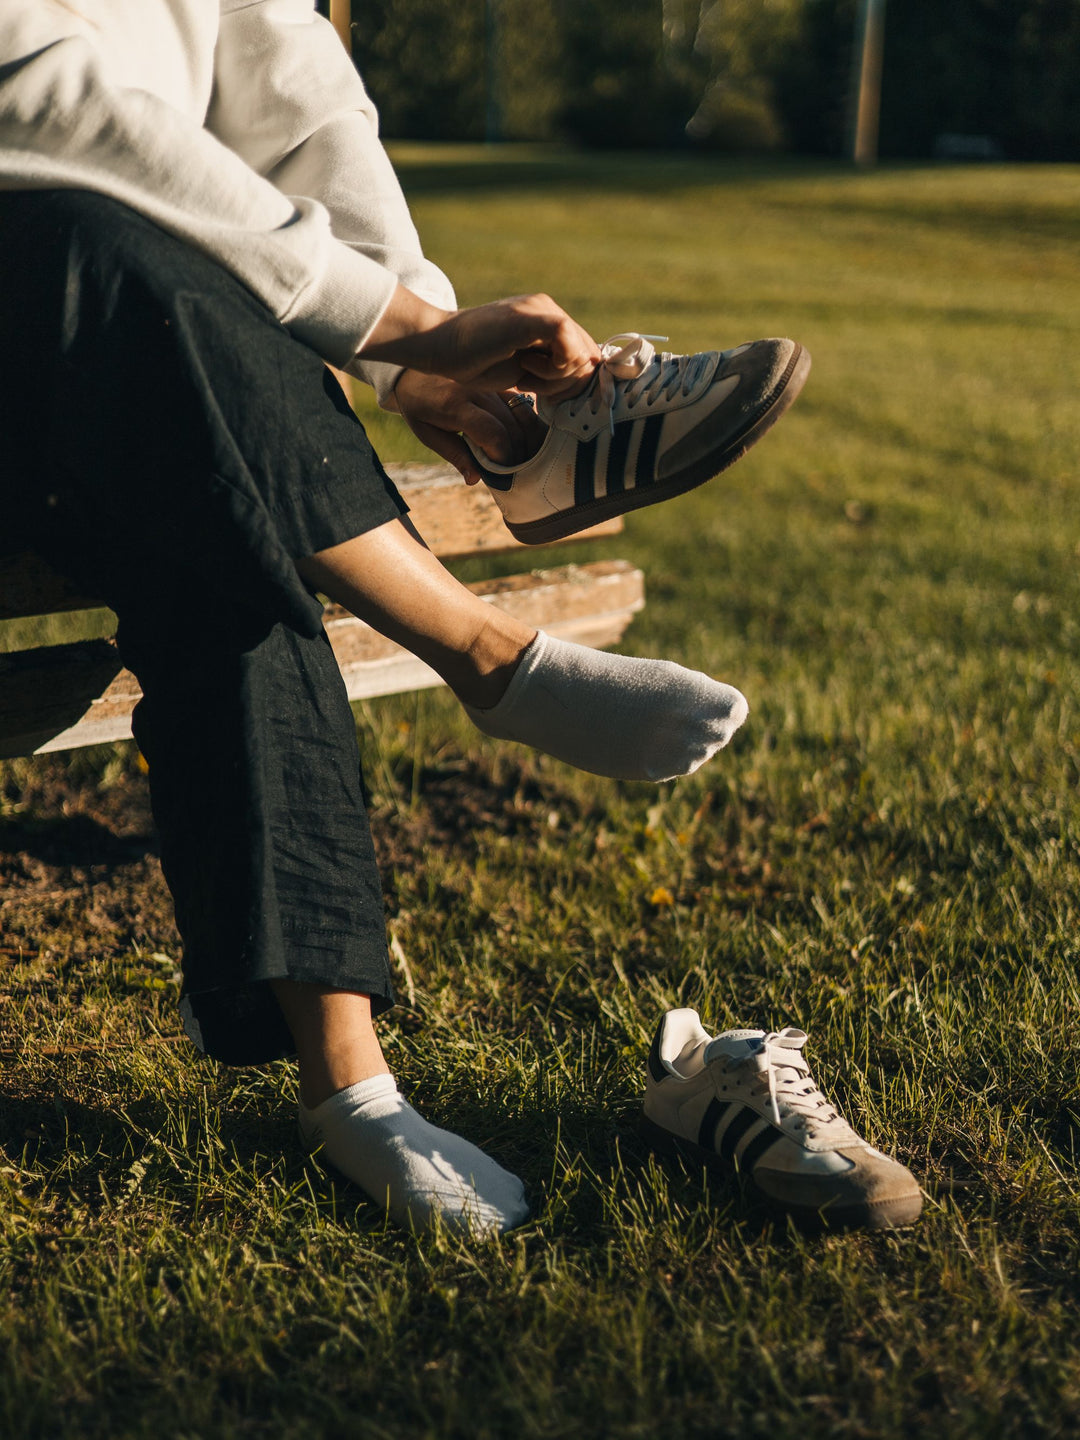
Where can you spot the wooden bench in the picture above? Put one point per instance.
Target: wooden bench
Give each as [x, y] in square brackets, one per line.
[60, 697]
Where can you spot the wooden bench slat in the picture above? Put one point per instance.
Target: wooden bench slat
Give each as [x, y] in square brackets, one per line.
[455, 519]
[54, 691]
[592, 604]
[68, 696]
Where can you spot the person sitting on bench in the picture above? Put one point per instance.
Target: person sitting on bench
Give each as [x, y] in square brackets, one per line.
[195, 215]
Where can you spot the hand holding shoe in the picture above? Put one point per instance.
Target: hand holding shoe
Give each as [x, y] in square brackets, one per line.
[527, 342]
[441, 411]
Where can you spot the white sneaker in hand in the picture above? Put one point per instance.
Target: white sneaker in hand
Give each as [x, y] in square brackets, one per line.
[648, 427]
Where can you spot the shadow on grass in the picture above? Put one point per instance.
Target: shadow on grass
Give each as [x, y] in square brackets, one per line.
[77, 840]
[585, 1174]
[423, 171]
[589, 1170]
[897, 195]
[37, 1123]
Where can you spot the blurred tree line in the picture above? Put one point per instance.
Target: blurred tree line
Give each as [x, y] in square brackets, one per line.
[739, 75]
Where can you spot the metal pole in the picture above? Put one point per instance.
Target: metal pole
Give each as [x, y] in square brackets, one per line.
[341, 19]
[864, 111]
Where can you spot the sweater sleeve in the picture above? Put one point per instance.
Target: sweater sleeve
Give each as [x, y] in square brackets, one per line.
[288, 100]
[66, 121]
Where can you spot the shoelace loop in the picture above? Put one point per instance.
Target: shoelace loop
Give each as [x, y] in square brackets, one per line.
[632, 358]
[787, 1078]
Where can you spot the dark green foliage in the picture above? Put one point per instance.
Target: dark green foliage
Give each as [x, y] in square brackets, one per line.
[461, 71]
[749, 74]
[812, 78]
[1047, 89]
[983, 67]
[424, 64]
[619, 90]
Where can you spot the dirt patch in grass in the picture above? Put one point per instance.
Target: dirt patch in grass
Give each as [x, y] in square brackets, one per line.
[79, 856]
[460, 809]
[79, 869]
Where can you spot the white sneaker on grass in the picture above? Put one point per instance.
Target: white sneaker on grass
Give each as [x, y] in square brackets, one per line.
[648, 427]
[744, 1102]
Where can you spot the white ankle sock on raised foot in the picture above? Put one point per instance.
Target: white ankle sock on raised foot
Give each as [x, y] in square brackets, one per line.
[615, 715]
[373, 1135]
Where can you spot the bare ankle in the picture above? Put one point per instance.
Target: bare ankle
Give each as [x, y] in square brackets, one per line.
[318, 1084]
[390, 579]
[336, 1044]
[486, 669]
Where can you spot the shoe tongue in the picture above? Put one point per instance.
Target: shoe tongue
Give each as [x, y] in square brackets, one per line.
[735, 1045]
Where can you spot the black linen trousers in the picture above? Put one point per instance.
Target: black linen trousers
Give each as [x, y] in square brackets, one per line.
[168, 445]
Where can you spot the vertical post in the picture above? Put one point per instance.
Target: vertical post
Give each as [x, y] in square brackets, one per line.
[341, 19]
[492, 108]
[864, 110]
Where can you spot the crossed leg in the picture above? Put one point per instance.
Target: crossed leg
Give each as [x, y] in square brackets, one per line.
[652, 718]
[615, 715]
[173, 513]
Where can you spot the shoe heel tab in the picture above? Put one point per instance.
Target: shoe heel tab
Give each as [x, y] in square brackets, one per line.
[495, 476]
[679, 1031]
[657, 1069]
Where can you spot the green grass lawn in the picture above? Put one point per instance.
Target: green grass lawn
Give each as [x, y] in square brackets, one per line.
[887, 856]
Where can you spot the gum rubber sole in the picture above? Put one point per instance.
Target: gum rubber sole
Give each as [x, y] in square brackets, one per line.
[888, 1215]
[605, 507]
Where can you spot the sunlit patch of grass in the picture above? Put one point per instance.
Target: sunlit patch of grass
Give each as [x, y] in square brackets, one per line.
[887, 856]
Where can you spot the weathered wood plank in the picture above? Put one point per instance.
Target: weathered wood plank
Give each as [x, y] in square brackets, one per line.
[73, 695]
[455, 519]
[64, 689]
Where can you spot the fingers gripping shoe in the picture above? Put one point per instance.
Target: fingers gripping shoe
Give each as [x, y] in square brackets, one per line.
[648, 427]
[745, 1102]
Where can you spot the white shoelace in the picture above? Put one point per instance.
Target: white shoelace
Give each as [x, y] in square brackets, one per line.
[631, 357]
[786, 1076]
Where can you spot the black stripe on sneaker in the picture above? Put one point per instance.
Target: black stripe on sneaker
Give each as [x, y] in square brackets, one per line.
[585, 473]
[492, 478]
[616, 458]
[656, 1065]
[735, 1132]
[714, 1113]
[645, 470]
[756, 1148]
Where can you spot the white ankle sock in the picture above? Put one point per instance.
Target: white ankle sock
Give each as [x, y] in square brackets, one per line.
[613, 714]
[374, 1137]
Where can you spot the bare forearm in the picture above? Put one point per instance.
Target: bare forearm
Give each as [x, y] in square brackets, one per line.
[404, 333]
[527, 340]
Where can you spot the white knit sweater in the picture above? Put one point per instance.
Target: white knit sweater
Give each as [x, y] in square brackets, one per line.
[238, 125]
